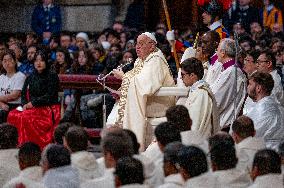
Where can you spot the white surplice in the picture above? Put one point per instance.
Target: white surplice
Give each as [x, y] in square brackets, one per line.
[277, 92]
[268, 118]
[232, 178]
[152, 178]
[85, 162]
[205, 180]
[64, 176]
[173, 181]
[9, 166]
[135, 186]
[202, 108]
[194, 138]
[30, 177]
[268, 181]
[248, 106]
[246, 150]
[213, 72]
[106, 181]
[153, 152]
[278, 88]
[230, 92]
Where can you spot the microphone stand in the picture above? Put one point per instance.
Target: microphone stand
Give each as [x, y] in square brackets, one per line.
[103, 79]
[236, 74]
[104, 104]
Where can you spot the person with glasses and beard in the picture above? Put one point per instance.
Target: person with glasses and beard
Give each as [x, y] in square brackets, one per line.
[267, 114]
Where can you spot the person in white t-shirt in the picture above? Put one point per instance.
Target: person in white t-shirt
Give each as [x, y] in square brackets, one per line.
[11, 83]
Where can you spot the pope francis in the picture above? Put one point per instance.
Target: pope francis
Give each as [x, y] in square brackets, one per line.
[137, 101]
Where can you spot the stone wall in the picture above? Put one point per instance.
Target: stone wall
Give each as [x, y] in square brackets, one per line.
[77, 15]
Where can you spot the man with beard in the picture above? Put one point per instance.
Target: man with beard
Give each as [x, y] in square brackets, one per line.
[27, 67]
[267, 114]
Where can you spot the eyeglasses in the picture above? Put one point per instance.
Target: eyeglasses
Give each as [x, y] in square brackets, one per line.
[261, 61]
[248, 60]
[183, 74]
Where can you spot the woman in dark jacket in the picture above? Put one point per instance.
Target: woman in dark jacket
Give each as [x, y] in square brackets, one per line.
[41, 109]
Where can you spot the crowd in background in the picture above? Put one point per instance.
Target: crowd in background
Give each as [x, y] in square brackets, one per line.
[30, 64]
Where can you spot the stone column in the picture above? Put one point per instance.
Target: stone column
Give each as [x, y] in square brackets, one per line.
[121, 9]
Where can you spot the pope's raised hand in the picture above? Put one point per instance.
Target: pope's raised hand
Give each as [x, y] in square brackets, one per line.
[118, 73]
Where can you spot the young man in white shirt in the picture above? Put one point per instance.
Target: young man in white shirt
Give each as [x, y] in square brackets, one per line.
[173, 178]
[129, 173]
[246, 142]
[201, 102]
[193, 167]
[31, 173]
[224, 161]
[115, 145]
[267, 114]
[266, 170]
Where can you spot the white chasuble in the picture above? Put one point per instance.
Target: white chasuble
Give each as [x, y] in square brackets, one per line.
[137, 101]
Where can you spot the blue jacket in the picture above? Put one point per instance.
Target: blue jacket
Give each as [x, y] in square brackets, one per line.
[44, 20]
[27, 67]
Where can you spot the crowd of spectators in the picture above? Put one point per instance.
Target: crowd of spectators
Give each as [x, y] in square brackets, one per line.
[30, 65]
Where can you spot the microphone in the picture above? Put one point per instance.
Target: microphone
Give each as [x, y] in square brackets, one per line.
[129, 61]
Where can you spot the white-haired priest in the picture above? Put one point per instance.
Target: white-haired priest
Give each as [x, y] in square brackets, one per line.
[137, 101]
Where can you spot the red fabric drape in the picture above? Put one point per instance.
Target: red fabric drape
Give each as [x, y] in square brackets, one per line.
[36, 124]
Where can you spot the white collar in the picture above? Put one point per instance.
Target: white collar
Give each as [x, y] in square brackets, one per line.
[33, 173]
[175, 179]
[269, 7]
[48, 6]
[242, 8]
[109, 170]
[253, 142]
[215, 25]
[196, 85]
[263, 100]
[267, 177]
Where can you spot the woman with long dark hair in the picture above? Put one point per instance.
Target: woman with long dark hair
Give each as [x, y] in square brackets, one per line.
[63, 62]
[40, 113]
[82, 65]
